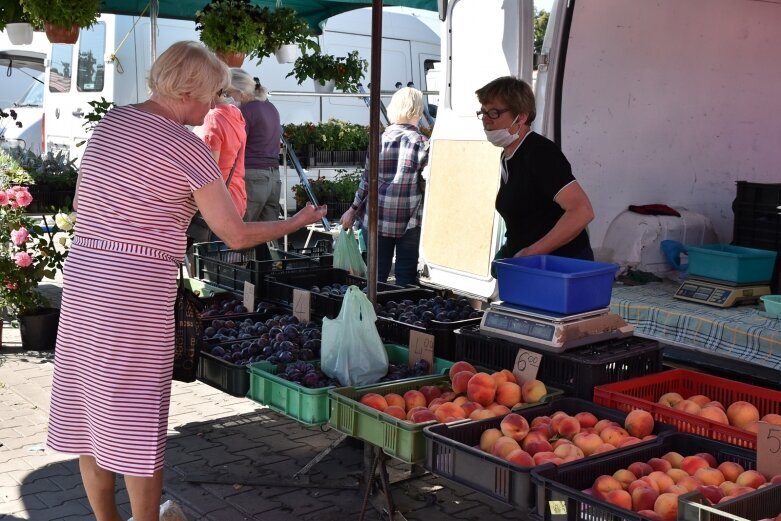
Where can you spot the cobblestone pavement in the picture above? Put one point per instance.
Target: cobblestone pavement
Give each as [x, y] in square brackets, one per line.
[227, 459]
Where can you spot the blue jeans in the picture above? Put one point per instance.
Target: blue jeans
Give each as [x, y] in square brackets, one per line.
[407, 247]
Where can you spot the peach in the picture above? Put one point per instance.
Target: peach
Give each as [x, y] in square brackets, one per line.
[540, 420]
[640, 469]
[742, 413]
[499, 377]
[481, 389]
[649, 481]
[752, 426]
[641, 483]
[613, 435]
[422, 416]
[691, 463]
[587, 442]
[460, 366]
[699, 399]
[775, 479]
[688, 482]
[568, 427]
[534, 435]
[662, 480]
[498, 409]
[560, 442]
[395, 399]
[515, 426]
[772, 418]
[625, 477]
[628, 440]
[601, 424]
[710, 458]
[643, 498]
[537, 446]
[375, 401]
[604, 447]
[675, 489]
[487, 439]
[670, 399]
[730, 470]
[660, 464]
[674, 458]
[470, 407]
[740, 490]
[677, 474]
[396, 412]
[461, 381]
[727, 487]
[533, 391]
[709, 476]
[619, 498]
[504, 446]
[604, 484]
[568, 451]
[714, 403]
[482, 414]
[521, 458]
[448, 412]
[430, 392]
[639, 423]
[414, 410]
[586, 419]
[448, 396]
[711, 493]
[461, 400]
[508, 394]
[436, 402]
[650, 514]
[714, 414]
[666, 505]
[545, 457]
[414, 398]
[688, 406]
[750, 478]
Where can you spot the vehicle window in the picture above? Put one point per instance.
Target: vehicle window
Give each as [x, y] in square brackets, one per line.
[60, 74]
[33, 97]
[92, 47]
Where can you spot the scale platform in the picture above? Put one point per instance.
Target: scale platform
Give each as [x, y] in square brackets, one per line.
[721, 293]
[552, 331]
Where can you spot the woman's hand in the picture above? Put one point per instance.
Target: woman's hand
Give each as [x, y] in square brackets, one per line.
[348, 218]
[311, 214]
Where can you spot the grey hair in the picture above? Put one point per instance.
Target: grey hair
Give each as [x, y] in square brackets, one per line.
[188, 68]
[405, 105]
[248, 86]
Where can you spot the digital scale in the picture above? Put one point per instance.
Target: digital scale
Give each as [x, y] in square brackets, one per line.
[552, 331]
[721, 293]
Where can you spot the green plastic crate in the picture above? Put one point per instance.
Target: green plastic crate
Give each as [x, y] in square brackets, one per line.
[308, 406]
[398, 354]
[399, 439]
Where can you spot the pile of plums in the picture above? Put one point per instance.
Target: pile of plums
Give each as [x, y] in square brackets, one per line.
[334, 290]
[226, 307]
[402, 371]
[308, 375]
[426, 310]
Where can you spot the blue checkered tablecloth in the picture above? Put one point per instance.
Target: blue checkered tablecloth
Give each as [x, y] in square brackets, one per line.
[743, 332]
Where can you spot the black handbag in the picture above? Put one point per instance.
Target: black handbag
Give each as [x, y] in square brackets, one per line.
[198, 230]
[188, 338]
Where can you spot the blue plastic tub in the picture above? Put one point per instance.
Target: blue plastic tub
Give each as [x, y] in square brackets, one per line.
[729, 263]
[556, 284]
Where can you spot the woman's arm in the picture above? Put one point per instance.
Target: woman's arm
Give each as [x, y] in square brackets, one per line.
[577, 214]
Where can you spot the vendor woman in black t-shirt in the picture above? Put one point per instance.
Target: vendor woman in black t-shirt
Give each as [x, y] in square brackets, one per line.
[543, 206]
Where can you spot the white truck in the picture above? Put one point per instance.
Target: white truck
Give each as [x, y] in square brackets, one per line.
[111, 60]
[652, 102]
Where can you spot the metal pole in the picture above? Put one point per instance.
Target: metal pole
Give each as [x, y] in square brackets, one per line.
[374, 147]
[154, 8]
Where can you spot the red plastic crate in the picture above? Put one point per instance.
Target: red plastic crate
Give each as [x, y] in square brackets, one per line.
[644, 393]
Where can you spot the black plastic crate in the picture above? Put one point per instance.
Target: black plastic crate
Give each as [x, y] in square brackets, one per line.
[397, 332]
[761, 504]
[577, 371]
[567, 482]
[280, 288]
[452, 452]
[757, 222]
[225, 376]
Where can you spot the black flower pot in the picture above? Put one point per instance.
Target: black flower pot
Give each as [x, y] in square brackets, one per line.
[39, 329]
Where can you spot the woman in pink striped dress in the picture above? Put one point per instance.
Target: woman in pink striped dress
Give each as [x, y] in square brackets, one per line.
[142, 176]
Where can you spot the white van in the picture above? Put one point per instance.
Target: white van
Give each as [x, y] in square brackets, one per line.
[112, 58]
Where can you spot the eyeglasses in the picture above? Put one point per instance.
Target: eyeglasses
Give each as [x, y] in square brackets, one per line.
[492, 114]
[220, 93]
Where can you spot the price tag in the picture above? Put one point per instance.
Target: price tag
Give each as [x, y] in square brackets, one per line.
[527, 363]
[421, 346]
[769, 449]
[249, 296]
[557, 508]
[302, 302]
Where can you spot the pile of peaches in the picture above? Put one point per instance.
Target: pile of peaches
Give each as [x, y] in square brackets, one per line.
[472, 394]
[561, 438]
[652, 488]
[740, 414]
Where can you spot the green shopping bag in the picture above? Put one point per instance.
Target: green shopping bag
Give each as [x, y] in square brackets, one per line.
[346, 254]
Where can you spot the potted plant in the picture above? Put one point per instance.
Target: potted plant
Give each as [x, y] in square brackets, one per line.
[344, 72]
[18, 24]
[232, 29]
[50, 179]
[286, 34]
[330, 143]
[63, 18]
[338, 193]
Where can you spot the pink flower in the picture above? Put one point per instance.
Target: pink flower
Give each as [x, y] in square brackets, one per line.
[3, 198]
[23, 197]
[23, 259]
[11, 285]
[10, 193]
[20, 236]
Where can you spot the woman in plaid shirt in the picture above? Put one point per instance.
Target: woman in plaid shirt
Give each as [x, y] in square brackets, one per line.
[403, 155]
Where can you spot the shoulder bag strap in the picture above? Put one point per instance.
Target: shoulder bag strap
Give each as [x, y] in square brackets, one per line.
[233, 168]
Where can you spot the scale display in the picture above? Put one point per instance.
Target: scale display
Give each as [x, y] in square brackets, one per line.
[520, 326]
[719, 295]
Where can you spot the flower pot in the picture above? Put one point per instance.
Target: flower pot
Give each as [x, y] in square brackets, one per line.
[328, 87]
[19, 33]
[39, 329]
[287, 53]
[231, 59]
[57, 34]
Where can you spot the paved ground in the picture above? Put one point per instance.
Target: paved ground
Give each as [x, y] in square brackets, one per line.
[227, 459]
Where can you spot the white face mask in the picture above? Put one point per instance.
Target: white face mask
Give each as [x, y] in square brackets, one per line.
[501, 137]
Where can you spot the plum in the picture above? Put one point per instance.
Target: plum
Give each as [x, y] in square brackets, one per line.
[218, 351]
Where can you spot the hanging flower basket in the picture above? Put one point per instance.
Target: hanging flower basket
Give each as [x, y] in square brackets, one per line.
[326, 87]
[57, 34]
[19, 33]
[287, 53]
[231, 59]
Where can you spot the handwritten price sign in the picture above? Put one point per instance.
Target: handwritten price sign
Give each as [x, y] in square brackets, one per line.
[769, 449]
[301, 304]
[527, 363]
[421, 346]
[249, 296]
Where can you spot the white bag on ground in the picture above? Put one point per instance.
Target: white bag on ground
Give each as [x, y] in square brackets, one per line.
[351, 349]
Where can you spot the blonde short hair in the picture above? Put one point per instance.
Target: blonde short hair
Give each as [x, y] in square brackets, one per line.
[188, 68]
[405, 105]
[248, 86]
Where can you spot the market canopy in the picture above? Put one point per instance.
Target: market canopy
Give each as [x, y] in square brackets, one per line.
[314, 11]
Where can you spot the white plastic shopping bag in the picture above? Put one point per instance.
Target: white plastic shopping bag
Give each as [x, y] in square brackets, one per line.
[347, 256]
[351, 349]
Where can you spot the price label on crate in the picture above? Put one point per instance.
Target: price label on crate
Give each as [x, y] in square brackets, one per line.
[557, 508]
[769, 449]
[527, 363]
[249, 296]
[302, 302]
[421, 346]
